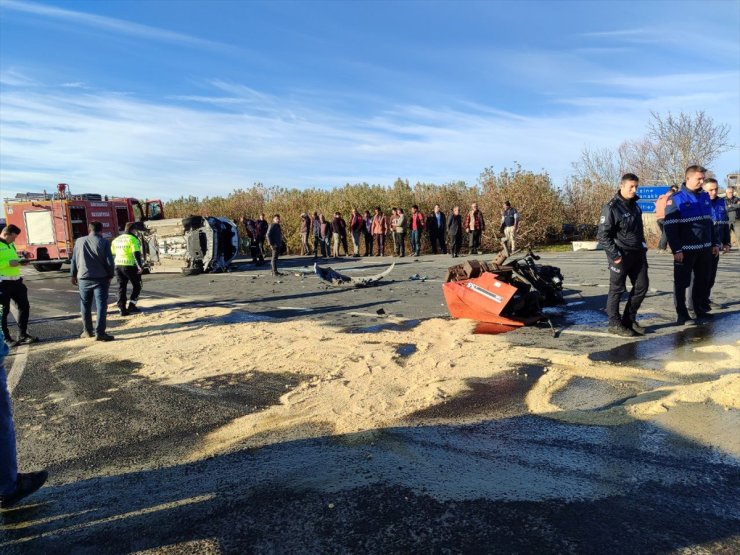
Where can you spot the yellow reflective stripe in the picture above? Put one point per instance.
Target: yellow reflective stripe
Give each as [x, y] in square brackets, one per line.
[124, 247]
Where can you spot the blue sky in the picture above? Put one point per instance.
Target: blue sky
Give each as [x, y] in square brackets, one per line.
[163, 98]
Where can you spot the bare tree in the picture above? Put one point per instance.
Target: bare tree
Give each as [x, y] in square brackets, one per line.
[594, 180]
[683, 140]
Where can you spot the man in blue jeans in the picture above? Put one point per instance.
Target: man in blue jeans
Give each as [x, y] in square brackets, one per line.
[13, 486]
[92, 269]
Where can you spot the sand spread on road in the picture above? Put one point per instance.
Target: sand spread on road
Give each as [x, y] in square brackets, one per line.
[359, 382]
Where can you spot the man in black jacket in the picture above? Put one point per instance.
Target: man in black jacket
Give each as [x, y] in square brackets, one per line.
[622, 237]
[275, 239]
[436, 229]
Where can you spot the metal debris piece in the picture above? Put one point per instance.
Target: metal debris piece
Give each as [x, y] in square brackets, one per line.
[333, 277]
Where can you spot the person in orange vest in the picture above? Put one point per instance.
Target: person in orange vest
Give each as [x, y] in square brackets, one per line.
[660, 215]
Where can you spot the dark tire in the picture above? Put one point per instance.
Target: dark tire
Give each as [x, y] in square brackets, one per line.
[191, 271]
[48, 267]
[192, 222]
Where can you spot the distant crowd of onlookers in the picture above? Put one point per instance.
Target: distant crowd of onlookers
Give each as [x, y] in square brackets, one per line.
[369, 232]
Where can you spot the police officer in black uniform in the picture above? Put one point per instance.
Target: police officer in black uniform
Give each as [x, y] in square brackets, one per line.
[622, 236]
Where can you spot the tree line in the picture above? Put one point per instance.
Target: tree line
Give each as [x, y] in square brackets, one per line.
[671, 143]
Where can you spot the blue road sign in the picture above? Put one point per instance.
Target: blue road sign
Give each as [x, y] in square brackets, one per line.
[651, 193]
[647, 206]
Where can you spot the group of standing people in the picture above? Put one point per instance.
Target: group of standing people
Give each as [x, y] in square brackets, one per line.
[95, 261]
[697, 227]
[369, 231]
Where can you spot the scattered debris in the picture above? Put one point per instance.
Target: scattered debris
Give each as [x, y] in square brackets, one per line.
[335, 278]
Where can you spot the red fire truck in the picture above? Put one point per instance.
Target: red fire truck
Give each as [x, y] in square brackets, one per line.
[50, 223]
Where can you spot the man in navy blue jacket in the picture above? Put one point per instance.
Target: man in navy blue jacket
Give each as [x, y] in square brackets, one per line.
[693, 242]
[722, 234]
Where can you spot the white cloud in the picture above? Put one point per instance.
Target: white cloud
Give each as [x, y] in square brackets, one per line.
[110, 24]
[11, 77]
[181, 145]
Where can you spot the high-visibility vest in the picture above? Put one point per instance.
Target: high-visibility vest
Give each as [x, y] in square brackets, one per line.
[8, 254]
[123, 248]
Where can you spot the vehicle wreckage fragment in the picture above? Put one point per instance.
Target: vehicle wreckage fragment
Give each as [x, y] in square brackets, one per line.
[332, 277]
[511, 294]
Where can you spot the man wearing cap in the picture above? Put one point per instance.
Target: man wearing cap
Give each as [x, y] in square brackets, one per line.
[693, 242]
[126, 249]
[12, 287]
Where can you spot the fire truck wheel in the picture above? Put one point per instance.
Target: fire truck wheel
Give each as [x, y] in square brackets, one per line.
[48, 267]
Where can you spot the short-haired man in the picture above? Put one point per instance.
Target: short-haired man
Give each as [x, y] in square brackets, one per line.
[260, 227]
[722, 233]
[126, 249]
[509, 226]
[622, 236]
[455, 231]
[691, 236]
[12, 287]
[437, 229]
[275, 239]
[92, 270]
[732, 207]
[475, 225]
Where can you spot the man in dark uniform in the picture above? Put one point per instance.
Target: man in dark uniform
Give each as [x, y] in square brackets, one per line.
[622, 237]
[691, 237]
[722, 235]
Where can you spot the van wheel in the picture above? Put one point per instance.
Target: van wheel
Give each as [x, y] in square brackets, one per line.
[192, 222]
[191, 271]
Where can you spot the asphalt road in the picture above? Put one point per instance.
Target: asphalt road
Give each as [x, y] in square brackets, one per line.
[509, 482]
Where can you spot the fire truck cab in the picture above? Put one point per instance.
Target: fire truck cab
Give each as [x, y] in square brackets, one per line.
[50, 223]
